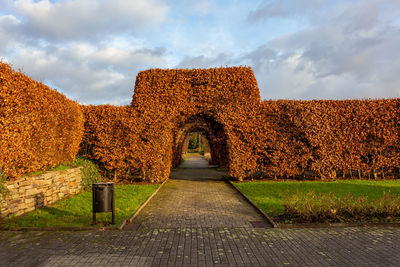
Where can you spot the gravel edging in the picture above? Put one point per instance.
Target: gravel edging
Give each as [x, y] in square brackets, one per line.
[130, 219]
[336, 225]
[269, 219]
[64, 228]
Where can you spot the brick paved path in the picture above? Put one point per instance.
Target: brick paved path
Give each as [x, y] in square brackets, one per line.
[197, 198]
[218, 235]
[243, 246]
[195, 162]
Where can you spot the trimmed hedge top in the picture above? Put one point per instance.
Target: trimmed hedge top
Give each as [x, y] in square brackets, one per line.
[233, 85]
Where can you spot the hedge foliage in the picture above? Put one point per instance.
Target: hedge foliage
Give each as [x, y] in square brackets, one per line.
[253, 138]
[125, 145]
[224, 98]
[329, 139]
[39, 127]
[142, 139]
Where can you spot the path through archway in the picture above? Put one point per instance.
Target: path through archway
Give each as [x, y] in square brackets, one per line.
[211, 138]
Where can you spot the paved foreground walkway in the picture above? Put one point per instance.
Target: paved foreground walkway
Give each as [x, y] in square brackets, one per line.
[198, 220]
[204, 247]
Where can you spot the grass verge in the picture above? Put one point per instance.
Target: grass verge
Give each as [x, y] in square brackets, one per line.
[280, 199]
[76, 211]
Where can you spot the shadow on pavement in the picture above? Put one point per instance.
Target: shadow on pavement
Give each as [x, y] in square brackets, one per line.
[196, 168]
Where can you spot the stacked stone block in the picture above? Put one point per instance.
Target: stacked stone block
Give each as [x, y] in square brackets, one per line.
[29, 193]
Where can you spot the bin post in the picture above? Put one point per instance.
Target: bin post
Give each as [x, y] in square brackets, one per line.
[112, 206]
[93, 205]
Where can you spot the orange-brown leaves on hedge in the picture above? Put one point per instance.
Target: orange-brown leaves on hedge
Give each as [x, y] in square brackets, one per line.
[328, 137]
[268, 138]
[285, 138]
[39, 127]
[125, 144]
[163, 104]
[179, 91]
[226, 96]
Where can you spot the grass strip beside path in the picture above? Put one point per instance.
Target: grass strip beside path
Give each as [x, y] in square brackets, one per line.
[76, 211]
[270, 195]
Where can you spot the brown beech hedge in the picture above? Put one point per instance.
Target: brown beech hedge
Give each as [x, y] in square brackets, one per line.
[39, 127]
[254, 139]
[141, 141]
[324, 139]
[330, 139]
[126, 145]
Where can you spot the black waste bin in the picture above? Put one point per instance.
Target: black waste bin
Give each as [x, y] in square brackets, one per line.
[103, 199]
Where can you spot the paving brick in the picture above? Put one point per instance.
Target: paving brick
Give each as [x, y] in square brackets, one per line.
[197, 199]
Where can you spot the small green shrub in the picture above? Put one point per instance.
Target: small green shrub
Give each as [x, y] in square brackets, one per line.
[311, 207]
[3, 189]
[90, 172]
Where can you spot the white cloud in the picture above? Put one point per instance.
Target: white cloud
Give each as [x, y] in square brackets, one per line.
[198, 7]
[87, 73]
[5, 5]
[353, 53]
[8, 34]
[87, 19]
[83, 48]
[277, 8]
[205, 62]
[93, 49]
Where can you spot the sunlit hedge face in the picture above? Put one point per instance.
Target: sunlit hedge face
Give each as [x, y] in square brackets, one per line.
[252, 138]
[39, 127]
[288, 139]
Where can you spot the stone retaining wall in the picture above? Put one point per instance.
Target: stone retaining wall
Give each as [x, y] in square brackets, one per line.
[29, 193]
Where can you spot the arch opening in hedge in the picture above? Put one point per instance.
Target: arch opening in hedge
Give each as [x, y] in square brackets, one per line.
[202, 144]
[214, 135]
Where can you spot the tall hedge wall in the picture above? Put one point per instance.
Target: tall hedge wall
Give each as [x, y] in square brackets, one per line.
[330, 139]
[39, 127]
[126, 145]
[252, 138]
[276, 139]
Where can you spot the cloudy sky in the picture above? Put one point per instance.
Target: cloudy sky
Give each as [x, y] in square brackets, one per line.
[92, 50]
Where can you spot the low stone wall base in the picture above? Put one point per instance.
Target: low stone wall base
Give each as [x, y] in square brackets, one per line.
[29, 193]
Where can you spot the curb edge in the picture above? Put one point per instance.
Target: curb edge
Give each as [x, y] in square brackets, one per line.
[134, 215]
[269, 219]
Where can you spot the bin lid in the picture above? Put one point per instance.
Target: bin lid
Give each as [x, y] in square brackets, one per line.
[103, 184]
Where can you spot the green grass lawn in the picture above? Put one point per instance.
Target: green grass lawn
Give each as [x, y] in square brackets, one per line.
[268, 195]
[76, 211]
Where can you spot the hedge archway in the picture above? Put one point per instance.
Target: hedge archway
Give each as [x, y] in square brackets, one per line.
[214, 133]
